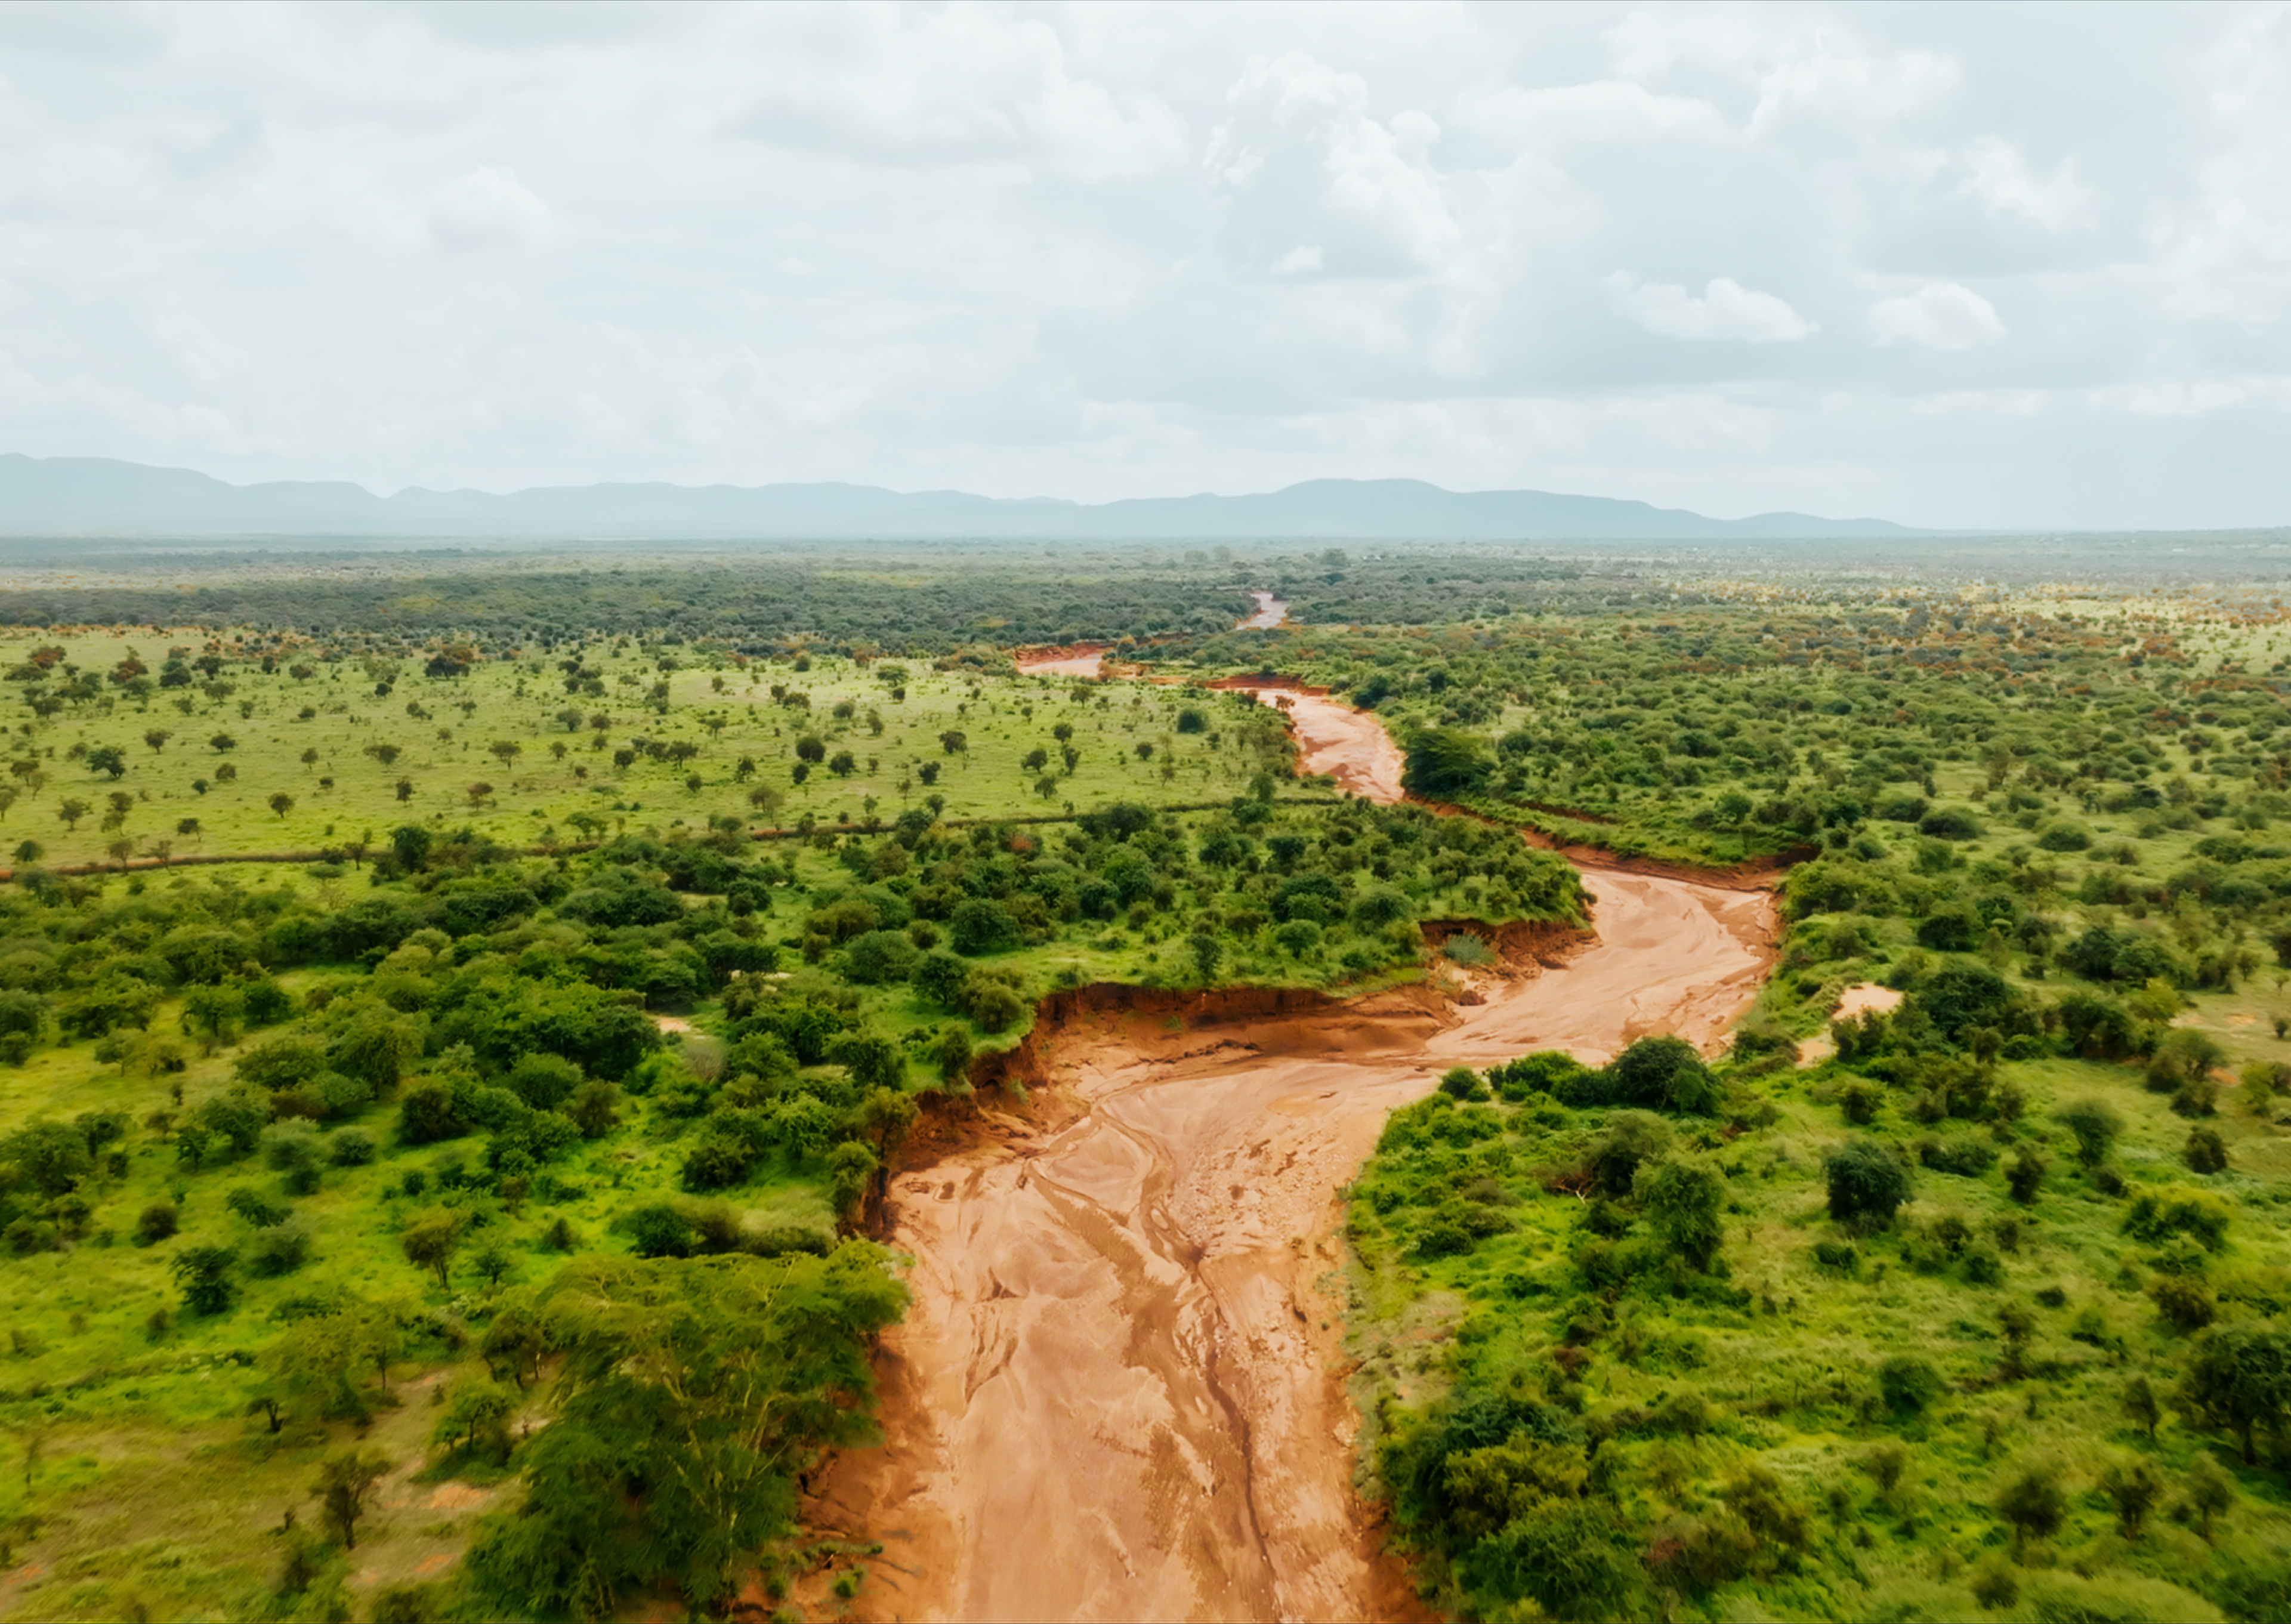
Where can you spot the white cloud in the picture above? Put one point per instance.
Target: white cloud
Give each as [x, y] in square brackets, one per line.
[1725, 310]
[2000, 178]
[488, 207]
[1938, 316]
[1604, 110]
[959, 84]
[1301, 160]
[1127, 248]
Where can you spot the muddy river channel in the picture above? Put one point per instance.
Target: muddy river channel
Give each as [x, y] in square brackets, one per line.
[1119, 1392]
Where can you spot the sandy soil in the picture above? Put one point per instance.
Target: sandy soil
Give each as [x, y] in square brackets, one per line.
[1119, 1392]
[1859, 999]
[1349, 745]
[1076, 660]
[1271, 612]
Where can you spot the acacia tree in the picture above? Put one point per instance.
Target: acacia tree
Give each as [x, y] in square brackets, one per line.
[430, 1241]
[691, 1393]
[344, 1481]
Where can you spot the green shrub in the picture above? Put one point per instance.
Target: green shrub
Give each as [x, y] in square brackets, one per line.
[1865, 1182]
[2114, 1595]
[1908, 1384]
[2157, 1215]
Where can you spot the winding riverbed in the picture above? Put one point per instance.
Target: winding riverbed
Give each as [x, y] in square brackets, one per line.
[1119, 1394]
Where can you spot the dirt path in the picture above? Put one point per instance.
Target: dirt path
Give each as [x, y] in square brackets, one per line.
[1119, 1392]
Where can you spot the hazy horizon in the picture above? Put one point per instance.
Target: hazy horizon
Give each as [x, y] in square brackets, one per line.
[1953, 266]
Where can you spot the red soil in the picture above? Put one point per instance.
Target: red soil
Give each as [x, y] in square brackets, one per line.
[1120, 1393]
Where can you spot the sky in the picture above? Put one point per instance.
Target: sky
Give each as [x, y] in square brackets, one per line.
[1952, 265]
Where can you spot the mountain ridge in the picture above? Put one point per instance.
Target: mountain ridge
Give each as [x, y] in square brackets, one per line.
[64, 497]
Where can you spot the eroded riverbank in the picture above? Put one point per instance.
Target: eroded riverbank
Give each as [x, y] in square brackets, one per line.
[1119, 1394]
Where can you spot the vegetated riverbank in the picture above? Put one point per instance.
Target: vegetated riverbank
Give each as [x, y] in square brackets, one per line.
[1119, 1392]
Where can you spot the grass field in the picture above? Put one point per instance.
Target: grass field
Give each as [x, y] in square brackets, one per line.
[354, 763]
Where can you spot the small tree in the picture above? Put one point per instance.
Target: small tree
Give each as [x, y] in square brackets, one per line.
[1208, 953]
[1865, 1182]
[72, 810]
[2095, 1126]
[108, 759]
[1681, 1201]
[282, 803]
[2140, 1405]
[493, 1259]
[204, 1273]
[429, 1242]
[344, 1481]
[2210, 1494]
[2240, 1377]
[156, 738]
[2024, 1175]
[2032, 1504]
[2132, 1488]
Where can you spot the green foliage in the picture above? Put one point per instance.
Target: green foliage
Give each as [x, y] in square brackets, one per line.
[692, 1393]
[1682, 1201]
[1865, 1182]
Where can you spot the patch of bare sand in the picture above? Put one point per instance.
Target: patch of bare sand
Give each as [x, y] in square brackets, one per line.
[1862, 997]
[1271, 612]
[1119, 1394]
[1072, 660]
[1348, 745]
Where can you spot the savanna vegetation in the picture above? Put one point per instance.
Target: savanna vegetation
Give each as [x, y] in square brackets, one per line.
[466, 1216]
[1970, 1306]
[450, 1223]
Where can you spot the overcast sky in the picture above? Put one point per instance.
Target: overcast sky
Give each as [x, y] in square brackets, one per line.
[1951, 265]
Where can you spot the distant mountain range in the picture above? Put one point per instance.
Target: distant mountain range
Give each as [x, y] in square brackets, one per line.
[66, 497]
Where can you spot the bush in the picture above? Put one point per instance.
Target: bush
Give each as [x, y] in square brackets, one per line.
[939, 976]
[1661, 1074]
[349, 1148]
[1963, 1155]
[2158, 1214]
[993, 1002]
[155, 1223]
[978, 927]
[2205, 1151]
[2094, 1125]
[1298, 937]
[1547, 1072]
[2185, 1301]
[2064, 836]
[1908, 1384]
[1567, 1560]
[543, 1080]
[2024, 1175]
[1860, 1100]
[880, 956]
[280, 1250]
[1865, 1182]
[1950, 824]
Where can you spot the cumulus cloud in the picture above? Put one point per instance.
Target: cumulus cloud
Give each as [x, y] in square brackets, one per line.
[2000, 178]
[1725, 310]
[955, 85]
[488, 207]
[1311, 180]
[1122, 249]
[1938, 316]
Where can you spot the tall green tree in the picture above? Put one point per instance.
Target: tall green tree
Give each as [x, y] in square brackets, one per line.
[691, 1395]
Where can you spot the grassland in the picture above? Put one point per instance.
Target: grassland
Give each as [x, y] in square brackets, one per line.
[321, 739]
